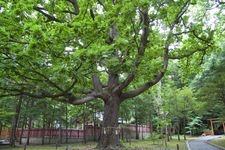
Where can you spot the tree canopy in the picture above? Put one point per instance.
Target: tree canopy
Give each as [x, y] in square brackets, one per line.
[67, 46]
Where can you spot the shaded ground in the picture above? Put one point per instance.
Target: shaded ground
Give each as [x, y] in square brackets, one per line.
[201, 143]
[134, 145]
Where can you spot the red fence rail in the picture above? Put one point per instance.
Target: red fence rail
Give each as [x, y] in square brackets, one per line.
[90, 131]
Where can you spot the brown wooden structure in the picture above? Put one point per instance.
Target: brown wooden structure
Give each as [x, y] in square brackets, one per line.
[214, 121]
[52, 135]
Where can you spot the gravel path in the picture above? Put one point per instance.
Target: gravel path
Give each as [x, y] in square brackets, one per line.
[201, 143]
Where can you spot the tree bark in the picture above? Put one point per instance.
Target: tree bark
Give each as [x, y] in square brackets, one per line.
[15, 123]
[109, 138]
[84, 124]
[94, 119]
[29, 130]
[136, 129]
[66, 124]
[43, 131]
[30, 123]
[122, 131]
[184, 129]
[23, 126]
[0, 128]
[178, 132]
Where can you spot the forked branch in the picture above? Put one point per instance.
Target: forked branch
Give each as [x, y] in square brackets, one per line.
[44, 12]
[141, 50]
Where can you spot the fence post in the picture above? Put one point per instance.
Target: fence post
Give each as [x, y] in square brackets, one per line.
[178, 147]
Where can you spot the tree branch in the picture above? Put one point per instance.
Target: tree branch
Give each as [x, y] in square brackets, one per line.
[71, 86]
[48, 80]
[141, 51]
[101, 4]
[43, 12]
[62, 97]
[76, 101]
[19, 42]
[97, 83]
[221, 2]
[181, 12]
[190, 53]
[75, 6]
[161, 73]
[149, 84]
[200, 38]
[181, 33]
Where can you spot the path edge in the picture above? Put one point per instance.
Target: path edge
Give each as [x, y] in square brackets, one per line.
[188, 146]
[220, 147]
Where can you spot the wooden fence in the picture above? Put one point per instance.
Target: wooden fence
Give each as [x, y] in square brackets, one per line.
[90, 133]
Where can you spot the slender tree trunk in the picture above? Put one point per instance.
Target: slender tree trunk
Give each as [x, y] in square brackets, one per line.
[30, 123]
[184, 129]
[109, 138]
[122, 131]
[50, 128]
[29, 130]
[136, 130]
[167, 134]
[43, 131]
[170, 134]
[60, 133]
[178, 132]
[84, 124]
[21, 133]
[15, 123]
[136, 123]
[66, 124]
[150, 128]
[0, 129]
[94, 119]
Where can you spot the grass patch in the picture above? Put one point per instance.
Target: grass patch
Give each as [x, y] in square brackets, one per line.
[133, 145]
[219, 142]
[156, 145]
[78, 146]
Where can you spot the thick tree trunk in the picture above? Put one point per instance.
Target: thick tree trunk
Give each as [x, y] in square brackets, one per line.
[109, 138]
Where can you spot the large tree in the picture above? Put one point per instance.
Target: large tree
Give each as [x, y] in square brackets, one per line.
[76, 51]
